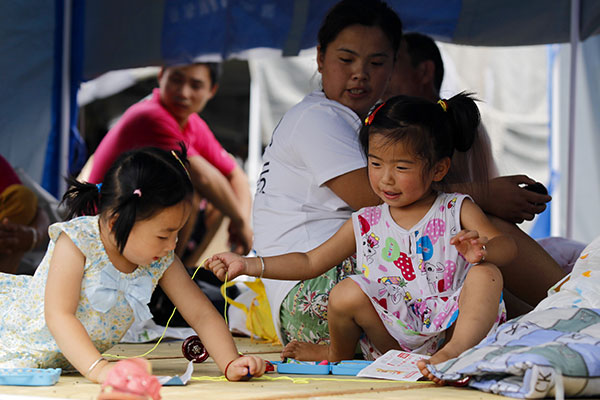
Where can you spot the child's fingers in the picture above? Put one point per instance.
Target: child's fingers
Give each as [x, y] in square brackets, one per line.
[218, 268]
[479, 241]
[459, 237]
[237, 372]
[256, 365]
[246, 367]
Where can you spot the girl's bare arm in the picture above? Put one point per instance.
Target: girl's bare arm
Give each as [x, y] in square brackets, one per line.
[289, 266]
[210, 326]
[62, 293]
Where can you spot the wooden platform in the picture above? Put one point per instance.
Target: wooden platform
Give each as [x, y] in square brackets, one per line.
[207, 383]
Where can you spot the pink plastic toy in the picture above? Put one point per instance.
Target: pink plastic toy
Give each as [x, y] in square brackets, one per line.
[130, 379]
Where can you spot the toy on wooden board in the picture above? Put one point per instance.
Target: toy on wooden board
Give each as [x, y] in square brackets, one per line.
[130, 379]
[29, 376]
[345, 367]
[194, 350]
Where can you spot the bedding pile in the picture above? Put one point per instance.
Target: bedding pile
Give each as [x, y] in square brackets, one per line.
[552, 351]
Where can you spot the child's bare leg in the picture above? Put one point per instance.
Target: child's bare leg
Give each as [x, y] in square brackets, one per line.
[478, 310]
[349, 313]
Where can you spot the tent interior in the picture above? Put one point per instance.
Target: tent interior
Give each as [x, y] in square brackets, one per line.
[542, 112]
[71, 68]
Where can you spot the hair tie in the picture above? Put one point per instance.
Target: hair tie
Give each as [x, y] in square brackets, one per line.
[182, 164]
[137, 192]
[443, 104]
[99, 186]
[369, 119]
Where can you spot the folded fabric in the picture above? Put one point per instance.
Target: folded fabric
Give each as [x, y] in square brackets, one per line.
[554, 349]
[534, 356]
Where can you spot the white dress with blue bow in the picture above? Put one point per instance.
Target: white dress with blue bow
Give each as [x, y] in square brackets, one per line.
[108, 303]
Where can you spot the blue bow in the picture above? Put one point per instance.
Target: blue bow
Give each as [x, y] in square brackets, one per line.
[103, 295]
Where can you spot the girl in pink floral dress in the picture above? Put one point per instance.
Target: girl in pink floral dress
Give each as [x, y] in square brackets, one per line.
[430, 281]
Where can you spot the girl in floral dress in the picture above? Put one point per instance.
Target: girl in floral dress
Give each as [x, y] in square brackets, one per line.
[430, 281]
[99, 272]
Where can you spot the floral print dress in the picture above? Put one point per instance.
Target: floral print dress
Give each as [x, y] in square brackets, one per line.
[414, 276]
[108, 302]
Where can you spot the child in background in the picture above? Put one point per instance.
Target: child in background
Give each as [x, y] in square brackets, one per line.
[430, 282]
[99, 272]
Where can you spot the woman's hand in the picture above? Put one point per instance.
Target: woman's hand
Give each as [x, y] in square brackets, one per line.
[240, 237]
[244, 368]
[228, 265]
[470, 245]
[16, 238]
[510, 201]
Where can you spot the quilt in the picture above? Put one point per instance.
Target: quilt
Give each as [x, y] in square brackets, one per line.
[552, 351]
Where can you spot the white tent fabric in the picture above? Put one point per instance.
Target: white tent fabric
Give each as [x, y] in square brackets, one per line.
[586, 160]
[514, 86]
[37, 115]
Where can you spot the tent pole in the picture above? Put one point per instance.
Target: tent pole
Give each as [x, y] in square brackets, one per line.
[575, 10]
[254, 136]
[65, 107]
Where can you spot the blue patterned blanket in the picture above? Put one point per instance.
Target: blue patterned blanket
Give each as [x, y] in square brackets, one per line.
[553, 350]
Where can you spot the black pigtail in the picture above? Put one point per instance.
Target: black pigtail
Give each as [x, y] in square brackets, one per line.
[464, 120]
[82, 198]
[126, 213]
[464, 125]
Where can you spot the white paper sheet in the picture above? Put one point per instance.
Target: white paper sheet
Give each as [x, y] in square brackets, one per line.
[395, 365]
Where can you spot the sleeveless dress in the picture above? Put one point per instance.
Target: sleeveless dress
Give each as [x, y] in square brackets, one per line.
[413, 277]
[108, 302]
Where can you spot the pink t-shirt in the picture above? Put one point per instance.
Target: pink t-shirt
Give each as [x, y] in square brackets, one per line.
[8, 176]
[148, 123]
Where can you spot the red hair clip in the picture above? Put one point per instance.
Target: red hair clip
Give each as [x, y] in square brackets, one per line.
[369, 119]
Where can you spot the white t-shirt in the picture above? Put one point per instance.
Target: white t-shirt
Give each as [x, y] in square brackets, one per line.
[315, 141]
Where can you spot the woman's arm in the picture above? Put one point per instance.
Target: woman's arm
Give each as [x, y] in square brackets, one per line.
[500, 249]
[202, 316]
[289, 266]
[505, 198]
[213, 185]
[61, 298]
[354, 188]
[240, 185]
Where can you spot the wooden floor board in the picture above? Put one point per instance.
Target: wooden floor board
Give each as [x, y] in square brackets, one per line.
[167, 359]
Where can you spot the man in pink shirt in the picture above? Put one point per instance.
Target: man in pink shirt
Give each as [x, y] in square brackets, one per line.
[170, 117]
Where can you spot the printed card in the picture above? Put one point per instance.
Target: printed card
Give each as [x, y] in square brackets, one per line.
[395, 365]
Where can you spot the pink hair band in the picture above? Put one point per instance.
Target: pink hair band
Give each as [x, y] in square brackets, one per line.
[137, 192]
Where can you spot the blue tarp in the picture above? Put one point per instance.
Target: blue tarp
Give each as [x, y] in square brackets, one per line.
[114, 34]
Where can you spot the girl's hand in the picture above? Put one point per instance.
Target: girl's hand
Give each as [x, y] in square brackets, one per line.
[470, 245]
[230, 264]
[245, 367]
